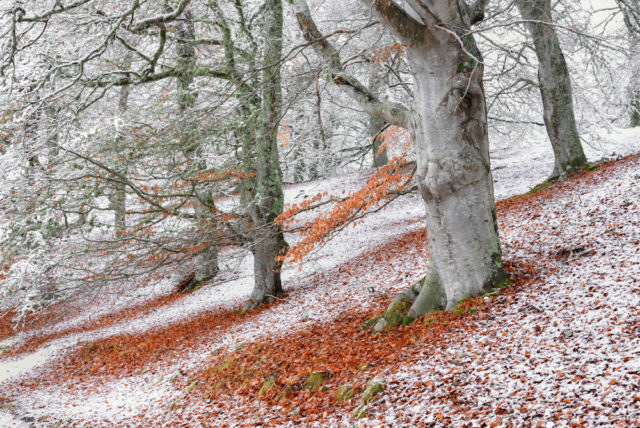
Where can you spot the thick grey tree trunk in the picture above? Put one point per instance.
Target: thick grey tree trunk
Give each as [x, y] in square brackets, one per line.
[450, 131]
[555, 87]
[266, 268]
[261, 110]
[449, 126]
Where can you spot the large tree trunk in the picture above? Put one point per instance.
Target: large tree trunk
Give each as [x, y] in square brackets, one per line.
[266, 266]
[450, 134]
[449, 128]
[555, 87]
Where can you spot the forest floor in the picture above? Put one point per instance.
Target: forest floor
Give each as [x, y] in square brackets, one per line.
[560, 346]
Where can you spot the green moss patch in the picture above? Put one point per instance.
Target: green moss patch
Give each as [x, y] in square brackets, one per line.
[344, 393]
[372, 389]
[314, 381]
[267, 386]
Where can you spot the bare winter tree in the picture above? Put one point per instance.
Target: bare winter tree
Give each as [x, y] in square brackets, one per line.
[183, 149]
[206, 262]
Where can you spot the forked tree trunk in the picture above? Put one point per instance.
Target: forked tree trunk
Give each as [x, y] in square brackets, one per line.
[555, 87]
[449, 127]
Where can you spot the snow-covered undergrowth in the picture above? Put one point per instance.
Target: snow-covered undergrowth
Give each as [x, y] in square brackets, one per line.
[571, 338]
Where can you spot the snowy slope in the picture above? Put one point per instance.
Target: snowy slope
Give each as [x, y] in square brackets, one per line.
[321, 291]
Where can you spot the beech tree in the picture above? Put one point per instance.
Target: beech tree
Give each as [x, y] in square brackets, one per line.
[448, 122]
[555, 87]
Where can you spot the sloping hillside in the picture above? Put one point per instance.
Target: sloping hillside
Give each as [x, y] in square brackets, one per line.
[561, 344]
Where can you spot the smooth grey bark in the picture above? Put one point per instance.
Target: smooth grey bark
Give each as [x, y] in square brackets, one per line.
[555, 88]
[262, 188]
[269, 243]
[260, 111]
[448, 123]
[206, 261]
[450, 131]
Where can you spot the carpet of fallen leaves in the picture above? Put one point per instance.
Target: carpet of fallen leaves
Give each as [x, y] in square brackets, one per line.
[436, 369]
[40, 323]
[341, 351]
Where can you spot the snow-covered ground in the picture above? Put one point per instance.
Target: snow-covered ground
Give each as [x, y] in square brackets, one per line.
[566, 351]
[320, 291]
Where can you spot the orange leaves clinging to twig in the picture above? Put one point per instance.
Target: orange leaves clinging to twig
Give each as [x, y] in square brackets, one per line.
[384, 53]
[384, 184]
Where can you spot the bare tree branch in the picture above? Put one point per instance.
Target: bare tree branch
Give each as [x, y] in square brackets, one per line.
[161, 19]
[370, 103]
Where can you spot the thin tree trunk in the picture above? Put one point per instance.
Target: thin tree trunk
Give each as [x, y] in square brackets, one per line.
[379, 152]
[555, 88]
[634, 84]
[299, 166]
[30, 144]
[323, 135]
[320, 146]
[269, 240]
[631, 13]
[119, 197]
[206, 262]
[380, 156]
